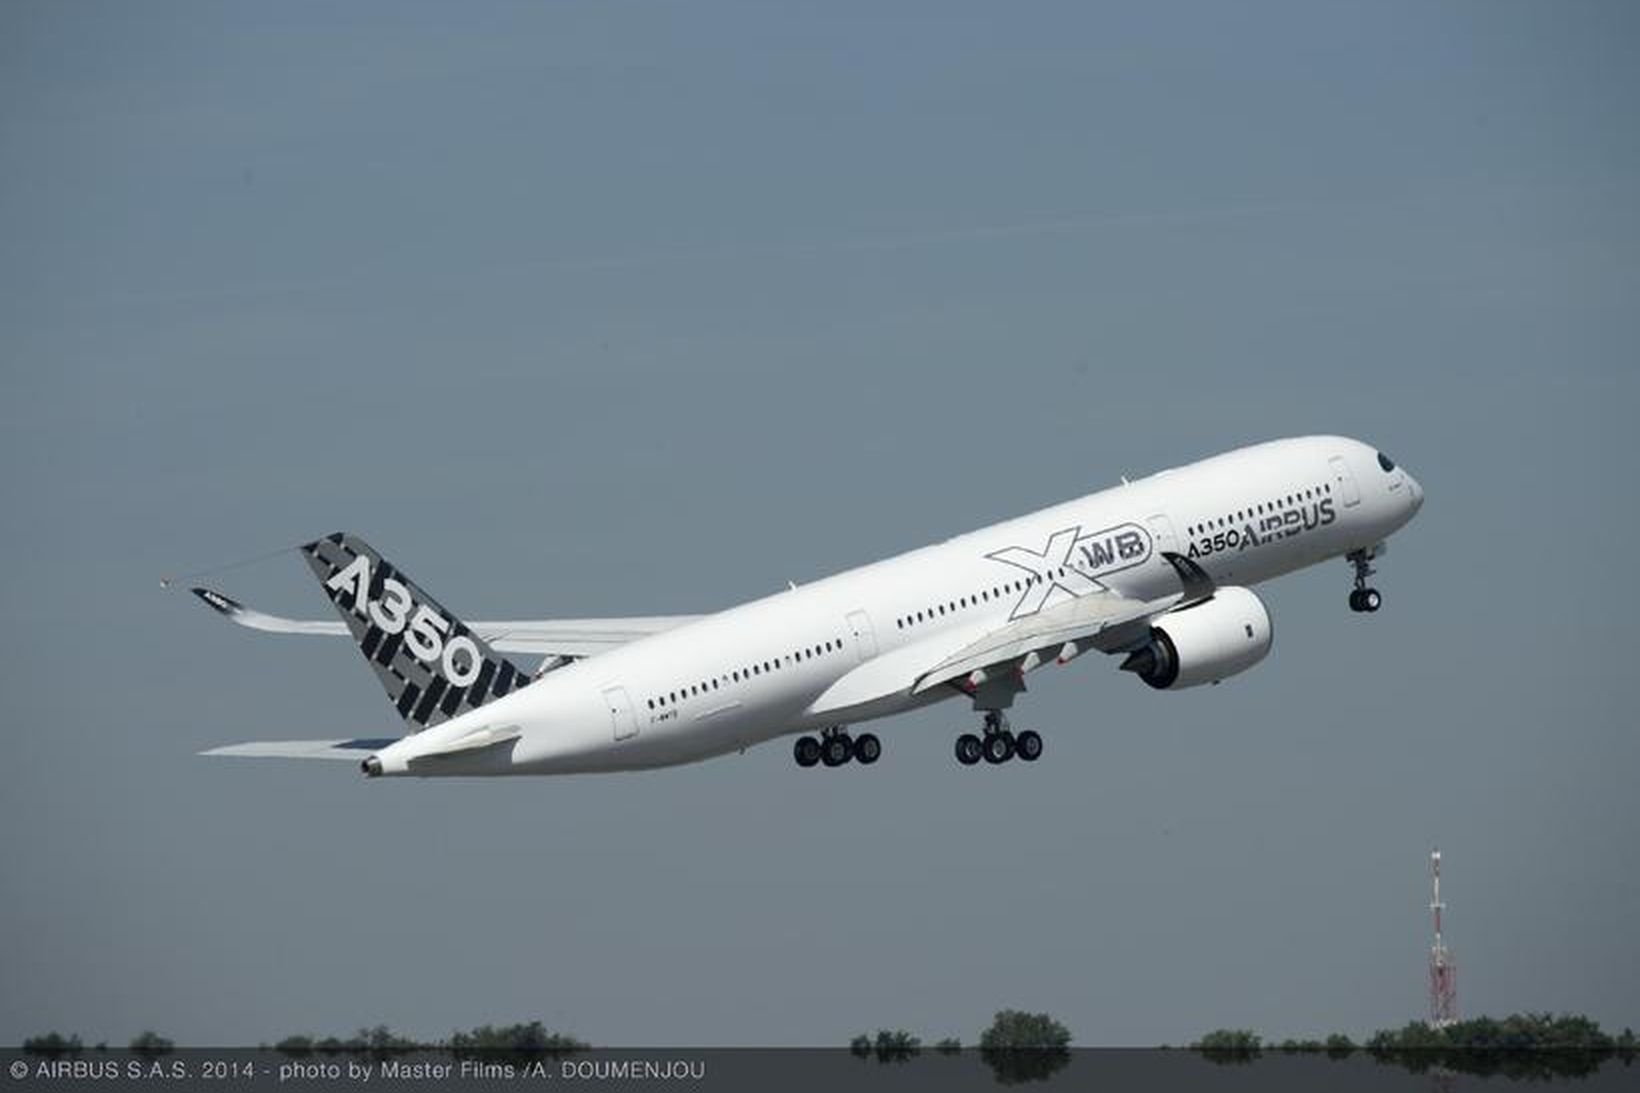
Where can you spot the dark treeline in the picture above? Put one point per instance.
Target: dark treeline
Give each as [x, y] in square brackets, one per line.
[1023, 1046]
[521, 1040]
[1522, 1045]
[55, 1045]
[1018, 1046]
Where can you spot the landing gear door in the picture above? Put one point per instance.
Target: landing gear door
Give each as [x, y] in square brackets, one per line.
[621, 718]
[1344, 481]
[865, 639]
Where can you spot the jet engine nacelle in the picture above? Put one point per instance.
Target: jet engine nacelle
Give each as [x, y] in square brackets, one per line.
[1205, 642]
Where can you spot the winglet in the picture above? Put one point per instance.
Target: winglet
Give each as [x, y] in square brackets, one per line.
[218, 602]
[236, 612]
[1197, 584]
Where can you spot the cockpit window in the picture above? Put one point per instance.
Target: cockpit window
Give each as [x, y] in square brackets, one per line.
[1386, 462]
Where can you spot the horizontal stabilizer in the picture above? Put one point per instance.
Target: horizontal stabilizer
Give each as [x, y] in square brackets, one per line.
[351, 750]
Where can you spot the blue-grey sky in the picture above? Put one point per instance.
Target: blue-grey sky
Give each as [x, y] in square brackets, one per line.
[634, 308]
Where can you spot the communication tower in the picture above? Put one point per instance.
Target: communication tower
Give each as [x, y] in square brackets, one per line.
[1443, 972]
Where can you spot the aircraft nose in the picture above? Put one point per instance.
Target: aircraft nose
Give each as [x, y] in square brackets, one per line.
[1415, 492]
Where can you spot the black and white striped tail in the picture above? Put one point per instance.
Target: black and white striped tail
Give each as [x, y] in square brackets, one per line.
[433, 667]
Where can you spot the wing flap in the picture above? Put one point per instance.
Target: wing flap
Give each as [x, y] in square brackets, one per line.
[890, 674]
[1082, 619]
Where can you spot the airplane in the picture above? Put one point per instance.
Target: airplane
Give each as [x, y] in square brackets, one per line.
[1157, 571]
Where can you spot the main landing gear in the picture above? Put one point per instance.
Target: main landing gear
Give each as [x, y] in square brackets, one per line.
[835, 747]
[1363, 599]
[998, 744]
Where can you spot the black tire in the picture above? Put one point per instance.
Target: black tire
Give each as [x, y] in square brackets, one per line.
[836, 750]
[1028, 745]
[867, 748]
[999, 748]
[1355, 600]
[806, 751]
[969, 749]
[1371, 600]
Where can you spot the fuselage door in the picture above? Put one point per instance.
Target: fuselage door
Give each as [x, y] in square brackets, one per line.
[865, 639]
[621, 718]
[1344, 482]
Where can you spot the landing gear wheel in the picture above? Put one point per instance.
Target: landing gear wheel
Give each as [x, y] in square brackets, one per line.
[836, 750]
[806, 751]
[867, 748]
[1366, 599]
[999, 747]
[1028, 746]
[969, 749]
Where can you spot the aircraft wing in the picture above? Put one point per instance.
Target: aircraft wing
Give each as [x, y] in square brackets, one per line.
[542, 637]
[1107, 621]
[1097, 621]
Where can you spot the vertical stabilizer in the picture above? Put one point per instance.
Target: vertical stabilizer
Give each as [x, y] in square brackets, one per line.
[432, 666]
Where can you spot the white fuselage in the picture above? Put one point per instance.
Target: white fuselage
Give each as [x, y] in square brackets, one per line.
[789, 662]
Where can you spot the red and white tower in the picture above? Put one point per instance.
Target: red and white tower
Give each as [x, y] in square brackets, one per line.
[1443, 972]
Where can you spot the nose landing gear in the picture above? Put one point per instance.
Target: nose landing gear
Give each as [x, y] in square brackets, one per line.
[1363, 598]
